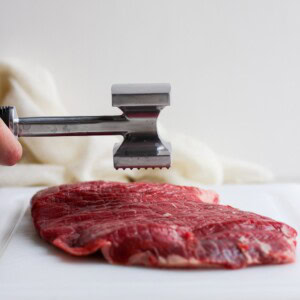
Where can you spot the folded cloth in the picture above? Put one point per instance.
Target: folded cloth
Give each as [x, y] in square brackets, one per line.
[56, 160]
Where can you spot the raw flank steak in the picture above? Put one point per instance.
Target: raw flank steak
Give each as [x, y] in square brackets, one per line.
[158, 225]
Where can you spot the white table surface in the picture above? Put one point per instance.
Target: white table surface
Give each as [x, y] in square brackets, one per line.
[32, 269]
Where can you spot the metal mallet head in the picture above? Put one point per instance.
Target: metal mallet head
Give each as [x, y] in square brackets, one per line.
[141, 104]
[142, 146]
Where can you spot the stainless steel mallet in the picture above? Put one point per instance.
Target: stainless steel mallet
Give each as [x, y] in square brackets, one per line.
[141, 104]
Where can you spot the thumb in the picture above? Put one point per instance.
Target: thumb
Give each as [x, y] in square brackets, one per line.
[10, 148]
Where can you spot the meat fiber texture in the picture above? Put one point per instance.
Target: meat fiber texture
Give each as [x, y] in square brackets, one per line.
[158, 225]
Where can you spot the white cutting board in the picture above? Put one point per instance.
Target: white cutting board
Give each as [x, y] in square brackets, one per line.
[31, 269]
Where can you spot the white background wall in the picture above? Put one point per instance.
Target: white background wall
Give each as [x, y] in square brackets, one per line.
[233, 65]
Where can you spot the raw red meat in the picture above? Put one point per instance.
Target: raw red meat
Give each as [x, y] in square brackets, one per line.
[159, 225]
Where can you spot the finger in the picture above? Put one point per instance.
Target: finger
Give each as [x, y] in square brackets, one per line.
[10, 148]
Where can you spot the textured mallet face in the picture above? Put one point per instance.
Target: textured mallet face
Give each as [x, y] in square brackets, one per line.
[147, 154]
[158, 225]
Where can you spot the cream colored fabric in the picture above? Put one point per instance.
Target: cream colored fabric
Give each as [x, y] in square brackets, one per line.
[50, 161]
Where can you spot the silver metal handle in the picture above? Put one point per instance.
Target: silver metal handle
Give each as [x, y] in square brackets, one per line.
[80, 125]
[68, 126]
